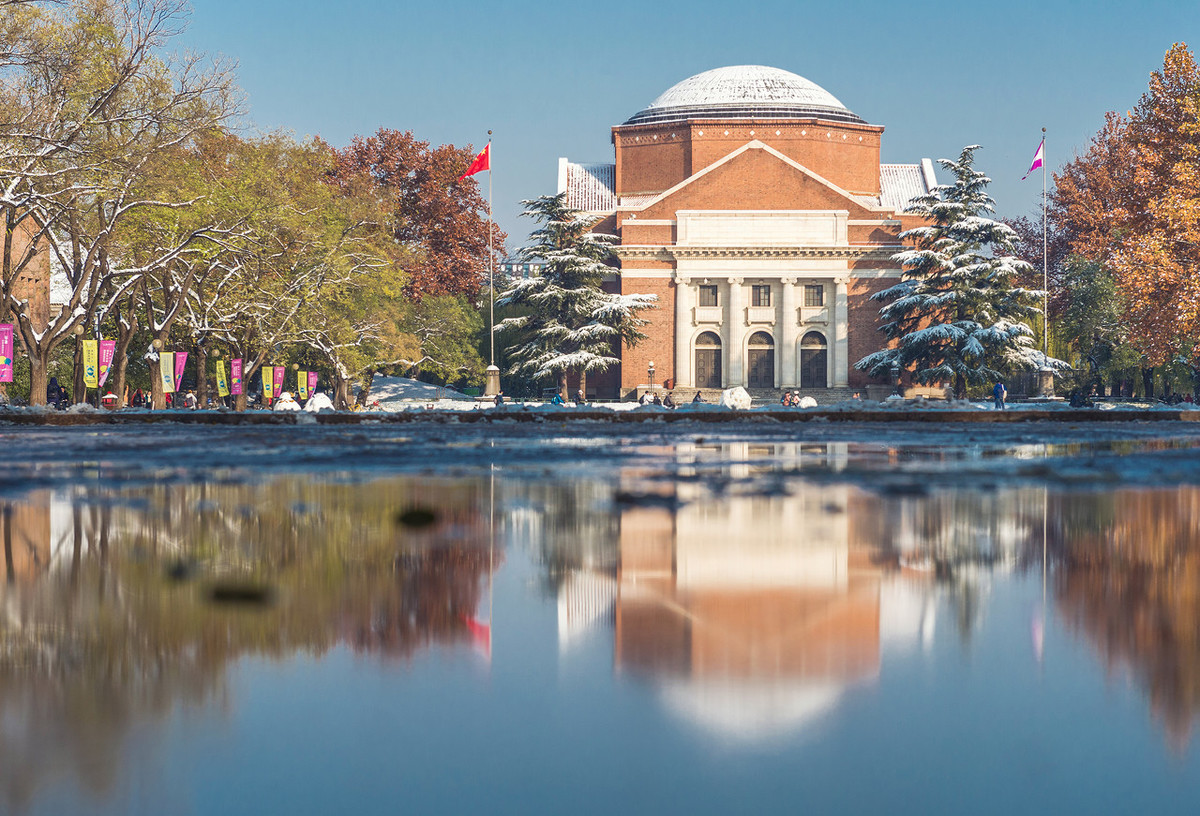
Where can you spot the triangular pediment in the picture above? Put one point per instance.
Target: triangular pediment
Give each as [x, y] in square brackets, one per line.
[756, 176]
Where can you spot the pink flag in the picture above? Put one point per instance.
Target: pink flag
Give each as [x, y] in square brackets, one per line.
[277, 379]
[180, 362]
[235, 373]
[107, 349]
[1037, 160]
[312, 382]
[6, 352]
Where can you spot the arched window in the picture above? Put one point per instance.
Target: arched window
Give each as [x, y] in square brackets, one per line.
[760, 361]
[814, 356]
[708, 360]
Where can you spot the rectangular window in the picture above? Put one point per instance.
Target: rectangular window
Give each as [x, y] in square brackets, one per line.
[760, 295]
[814, 295]
[708, 295]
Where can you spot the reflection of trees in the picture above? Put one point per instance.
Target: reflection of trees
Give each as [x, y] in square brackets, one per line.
[122, 625]
[1129, 581]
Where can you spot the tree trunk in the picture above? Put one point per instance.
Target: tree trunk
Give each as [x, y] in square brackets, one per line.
[158, 398]
[960, 386]
[341, 391]
[201, 375]
[38, 379]
[120, 361]
[364, 392]
[1148, 382]
[79, 392]
[583, 384]
[562, 386]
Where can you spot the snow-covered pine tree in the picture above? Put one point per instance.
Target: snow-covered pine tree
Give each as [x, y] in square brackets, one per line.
[958, 314]
[570, 324]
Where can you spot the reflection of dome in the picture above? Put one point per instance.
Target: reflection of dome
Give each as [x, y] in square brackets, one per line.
[751, 710]
[744, 92]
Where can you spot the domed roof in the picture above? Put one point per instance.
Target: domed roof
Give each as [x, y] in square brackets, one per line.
[744, 92]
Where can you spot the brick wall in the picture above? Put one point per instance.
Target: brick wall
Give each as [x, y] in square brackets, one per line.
[863, 326]
[659, 345]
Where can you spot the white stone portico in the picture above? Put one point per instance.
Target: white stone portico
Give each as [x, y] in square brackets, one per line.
[787, 251]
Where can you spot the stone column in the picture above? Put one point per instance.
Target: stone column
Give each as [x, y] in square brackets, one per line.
[788, 329]
[735, 319]
[683, 326]
[839, 372]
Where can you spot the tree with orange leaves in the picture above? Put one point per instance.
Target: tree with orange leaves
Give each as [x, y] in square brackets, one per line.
[1132, 203]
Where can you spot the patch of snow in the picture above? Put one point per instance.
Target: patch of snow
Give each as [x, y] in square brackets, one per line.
[401, 393]
[318, 402]
[736, 398]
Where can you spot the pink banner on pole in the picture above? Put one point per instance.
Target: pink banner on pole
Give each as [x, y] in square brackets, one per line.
[277, 379]
[180, 362]
[235, 373]
[6, 352]
[107, 349]
[312, 383]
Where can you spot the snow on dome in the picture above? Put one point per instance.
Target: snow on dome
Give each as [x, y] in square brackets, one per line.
[743, 92]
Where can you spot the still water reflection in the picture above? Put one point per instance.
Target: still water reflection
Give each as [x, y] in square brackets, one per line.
[713, 633]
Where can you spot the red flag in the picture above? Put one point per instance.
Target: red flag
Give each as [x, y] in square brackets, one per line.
[482, 162]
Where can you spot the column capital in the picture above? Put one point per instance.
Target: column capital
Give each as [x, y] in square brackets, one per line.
[736, 281]
[842, 280]
[789, 281]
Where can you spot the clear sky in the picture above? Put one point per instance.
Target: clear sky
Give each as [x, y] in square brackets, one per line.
[551, 79]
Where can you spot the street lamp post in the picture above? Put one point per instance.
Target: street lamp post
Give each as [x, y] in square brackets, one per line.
[650, 371]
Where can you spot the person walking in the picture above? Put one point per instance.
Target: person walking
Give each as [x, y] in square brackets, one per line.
[1000, 393]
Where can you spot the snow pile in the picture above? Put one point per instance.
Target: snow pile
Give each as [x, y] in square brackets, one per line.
[286, 403]
[83, 408]
[318, 402]
[399, 393]
[806, 402]
[736, 398]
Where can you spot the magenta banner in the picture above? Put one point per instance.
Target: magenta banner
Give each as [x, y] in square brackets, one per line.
[235, 373]
[312, 383]
[107, 349]
[180, 362]
[277, 380]
[6, 352]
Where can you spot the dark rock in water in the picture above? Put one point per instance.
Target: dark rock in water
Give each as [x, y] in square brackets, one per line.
[179, 570]
[239, 593]
[417, 517]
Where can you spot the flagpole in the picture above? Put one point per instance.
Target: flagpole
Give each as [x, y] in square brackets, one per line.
[1045, 264]
[491, 281]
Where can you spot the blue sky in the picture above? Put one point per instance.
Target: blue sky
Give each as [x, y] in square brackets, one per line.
[552, 78]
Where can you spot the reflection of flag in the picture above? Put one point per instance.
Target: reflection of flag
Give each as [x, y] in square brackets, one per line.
[1038, 630]
[481, 635]
[1037, 160]
[482, 162]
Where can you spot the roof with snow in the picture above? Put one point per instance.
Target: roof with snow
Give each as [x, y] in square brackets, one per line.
[744, 92]
[901, 183]
[589, 187]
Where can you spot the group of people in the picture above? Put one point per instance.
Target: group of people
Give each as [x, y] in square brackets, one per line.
[580, 400]
[790, 399]
[652, 398]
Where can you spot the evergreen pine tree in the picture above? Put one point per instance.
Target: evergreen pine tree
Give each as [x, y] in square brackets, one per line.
[958, 314]
[570, 324]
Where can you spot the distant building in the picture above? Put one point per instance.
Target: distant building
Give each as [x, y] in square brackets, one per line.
[515, 268]
[754, 205]
[32, 283]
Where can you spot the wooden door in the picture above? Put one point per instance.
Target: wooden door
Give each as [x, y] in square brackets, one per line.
[708, 368]
[762, 367]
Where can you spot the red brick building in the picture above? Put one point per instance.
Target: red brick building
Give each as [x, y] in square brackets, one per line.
[754, 205]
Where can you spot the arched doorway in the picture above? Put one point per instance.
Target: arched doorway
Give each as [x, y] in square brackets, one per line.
[760, 360]
[708, 361]
[814, 356]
